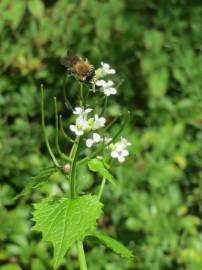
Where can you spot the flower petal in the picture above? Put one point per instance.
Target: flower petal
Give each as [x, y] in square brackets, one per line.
[96, 137]
[79, 132]
[109, 83]
[101, 83]
[72, 128]
[77, 110]
[111, 71]
[89, 143]
[114, 154]
[105, 65]
[125, 153]
[121, 158]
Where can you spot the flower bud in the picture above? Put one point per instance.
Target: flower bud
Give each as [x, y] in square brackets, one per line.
[65, 168]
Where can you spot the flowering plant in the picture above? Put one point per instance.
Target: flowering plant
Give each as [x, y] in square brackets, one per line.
[69, 219]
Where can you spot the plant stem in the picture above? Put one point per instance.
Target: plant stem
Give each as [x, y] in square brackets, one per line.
[81, 95]
[62, 155]
[63, 131]
[101, 188]
[81, 255]
[44, 130]
[73, 157]
[104, 106]
[67, 102]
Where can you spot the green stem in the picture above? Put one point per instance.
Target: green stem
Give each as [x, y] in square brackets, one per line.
[119, 84]
[63, 131]
[81, 255]
[104, 106]
[81, 95]
[44, 130]
[62, 155]
[110, 124]
[89, 157]
[101, 188]
[67, 102]
[73, 157]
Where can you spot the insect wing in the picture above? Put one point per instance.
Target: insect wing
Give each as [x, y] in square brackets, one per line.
[64, 61]
[70, 60]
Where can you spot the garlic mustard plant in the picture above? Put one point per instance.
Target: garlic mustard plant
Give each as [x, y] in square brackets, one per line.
[67, 220]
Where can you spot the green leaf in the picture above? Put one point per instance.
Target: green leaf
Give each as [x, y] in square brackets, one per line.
[63, 221]
[37, 181]
[36, 8]
[113, 244]
[97, 165]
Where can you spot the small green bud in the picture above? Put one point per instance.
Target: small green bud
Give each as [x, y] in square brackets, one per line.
[99, 73]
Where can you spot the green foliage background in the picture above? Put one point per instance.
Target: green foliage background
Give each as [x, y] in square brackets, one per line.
[155, 47]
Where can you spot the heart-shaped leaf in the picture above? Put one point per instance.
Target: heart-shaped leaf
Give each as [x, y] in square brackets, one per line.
[63, 221]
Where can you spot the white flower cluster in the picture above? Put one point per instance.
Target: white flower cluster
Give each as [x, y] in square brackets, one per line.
[119, 150]
[96, 138]
[82, 122]
[107, 87]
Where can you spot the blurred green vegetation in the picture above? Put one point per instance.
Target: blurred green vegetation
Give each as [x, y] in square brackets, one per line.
[155, 47]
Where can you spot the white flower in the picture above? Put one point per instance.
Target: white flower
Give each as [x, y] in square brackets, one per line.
[95, 139]
[107, 69]
[100, 83]
[107, 87]
[89, 143]
[104, 70]
[80, 126]
[84, 124]
[124, 143]
[81, 112]
[110, 91]
[98, 122]
[119, 150]
[76, 130]
[120, 155]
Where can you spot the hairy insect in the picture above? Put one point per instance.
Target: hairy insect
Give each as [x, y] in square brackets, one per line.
[78, 67]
